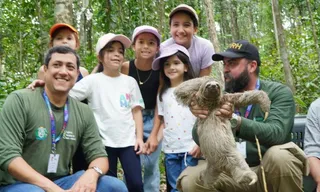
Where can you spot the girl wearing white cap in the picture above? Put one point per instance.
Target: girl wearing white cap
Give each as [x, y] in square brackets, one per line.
[116, 102]
[178, 145]
[184, 23]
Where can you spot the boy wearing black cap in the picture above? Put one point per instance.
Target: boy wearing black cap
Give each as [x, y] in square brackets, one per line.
[283, 161]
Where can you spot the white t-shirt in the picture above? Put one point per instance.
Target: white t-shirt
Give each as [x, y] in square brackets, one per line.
[178, 124]
[200, 50]
[111, 100]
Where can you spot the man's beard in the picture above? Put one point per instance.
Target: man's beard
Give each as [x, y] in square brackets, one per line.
[237, 84]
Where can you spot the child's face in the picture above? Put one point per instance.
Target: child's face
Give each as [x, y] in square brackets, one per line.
[174, 69]
[113, 57]
[182, 29]
[145, 46]
[65, 37]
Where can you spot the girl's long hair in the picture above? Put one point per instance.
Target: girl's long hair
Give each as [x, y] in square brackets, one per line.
[186, 76]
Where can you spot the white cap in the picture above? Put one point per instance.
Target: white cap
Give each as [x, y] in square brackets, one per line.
[106, 38]
[168, 51]
[184, 7]
[145, 29]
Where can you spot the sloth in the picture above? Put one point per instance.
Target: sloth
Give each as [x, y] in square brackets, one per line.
[215, 135]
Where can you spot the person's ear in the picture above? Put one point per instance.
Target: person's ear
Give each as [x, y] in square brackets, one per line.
[195, 30]
[253, 66]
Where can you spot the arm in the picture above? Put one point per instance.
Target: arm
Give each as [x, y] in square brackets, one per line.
[152, 142]
[13, 118]
[84, 71]
[41, 73]
[137, 116]
[277, 127]
[82, 89]
[19, 169]
[312, 140]
[205, 71]
[125, 68]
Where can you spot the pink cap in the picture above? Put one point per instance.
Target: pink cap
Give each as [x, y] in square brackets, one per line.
[106, 38]
[168, 51]
[145, 29]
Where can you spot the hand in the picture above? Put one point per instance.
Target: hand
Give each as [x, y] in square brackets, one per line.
[139, 147]
[226, 110]
[195, 152]
[151, 144]
[198, 111]
[36, 83]
[87, 182]
[318, 187]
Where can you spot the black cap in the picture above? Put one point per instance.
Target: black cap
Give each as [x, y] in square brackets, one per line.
[239, 49]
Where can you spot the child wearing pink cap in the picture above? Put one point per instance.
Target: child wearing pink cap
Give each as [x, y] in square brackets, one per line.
[145, 43]
[179, 148]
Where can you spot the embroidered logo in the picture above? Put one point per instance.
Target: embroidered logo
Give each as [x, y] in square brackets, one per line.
[68, 135]
[41, 133]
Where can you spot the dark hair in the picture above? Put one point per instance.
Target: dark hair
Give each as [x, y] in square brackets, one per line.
[193, 18]
[186, 76]
[62, 50]
[101, 52]
[158, 40]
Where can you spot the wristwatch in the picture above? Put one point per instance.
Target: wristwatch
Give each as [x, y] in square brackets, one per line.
[234, 120]
[97, 169]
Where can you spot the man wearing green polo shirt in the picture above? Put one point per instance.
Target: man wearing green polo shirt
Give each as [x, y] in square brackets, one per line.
[283, 161]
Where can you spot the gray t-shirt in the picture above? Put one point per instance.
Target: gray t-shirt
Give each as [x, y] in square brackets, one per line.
[312, 131]
[201, 51]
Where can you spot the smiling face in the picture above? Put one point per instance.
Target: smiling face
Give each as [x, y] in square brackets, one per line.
[112, 56]
[182, 29]
[65, 37]
[61, 73]
[145, 46]
[174, 69]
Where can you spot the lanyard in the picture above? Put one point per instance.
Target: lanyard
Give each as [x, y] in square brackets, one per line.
[246, 115]
[55, 140]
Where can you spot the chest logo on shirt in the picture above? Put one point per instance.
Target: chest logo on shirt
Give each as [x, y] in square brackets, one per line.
[68, 135]
[41, 133]
[125, 100]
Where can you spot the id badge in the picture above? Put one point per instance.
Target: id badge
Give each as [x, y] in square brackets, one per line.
[242, 148]
[53, 163]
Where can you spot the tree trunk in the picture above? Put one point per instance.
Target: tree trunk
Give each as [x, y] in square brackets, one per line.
[43, 36]
[234, 20]
[63, 11]
[209, 9]
[314, 31]
[161, 14]
[282, 45]
[108, 15]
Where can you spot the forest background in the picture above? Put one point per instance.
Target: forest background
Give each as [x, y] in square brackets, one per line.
[285, 31]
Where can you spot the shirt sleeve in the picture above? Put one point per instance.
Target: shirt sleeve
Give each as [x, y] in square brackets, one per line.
[277, 127]
[91, 141]
[207, 53]
[312, 131]
[82, 89]
[12, 123]
[135, 95]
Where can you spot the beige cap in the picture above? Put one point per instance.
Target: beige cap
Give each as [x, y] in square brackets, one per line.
[184, 7]
[106, 38]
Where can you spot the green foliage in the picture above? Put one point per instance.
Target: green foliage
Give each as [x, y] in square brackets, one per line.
[24, 26]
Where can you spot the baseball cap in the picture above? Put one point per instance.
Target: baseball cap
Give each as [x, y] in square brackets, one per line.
[239, 49]
[60, 25]
[184, 7]
[168, 51]
[145, 29]
[106, 38]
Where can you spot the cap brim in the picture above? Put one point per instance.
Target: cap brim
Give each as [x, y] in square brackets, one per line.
[156, 62]
[60, 25]
[183, 9]
[220, 56]
[122, 39]
[148, 31]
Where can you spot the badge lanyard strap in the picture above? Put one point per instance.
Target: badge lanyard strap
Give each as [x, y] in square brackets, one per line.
[246, 115]
[55, 140]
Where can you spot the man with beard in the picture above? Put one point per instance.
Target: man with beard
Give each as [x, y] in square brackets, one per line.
[284, 163]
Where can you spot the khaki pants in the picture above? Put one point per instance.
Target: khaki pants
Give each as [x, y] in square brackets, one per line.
[284, 167]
